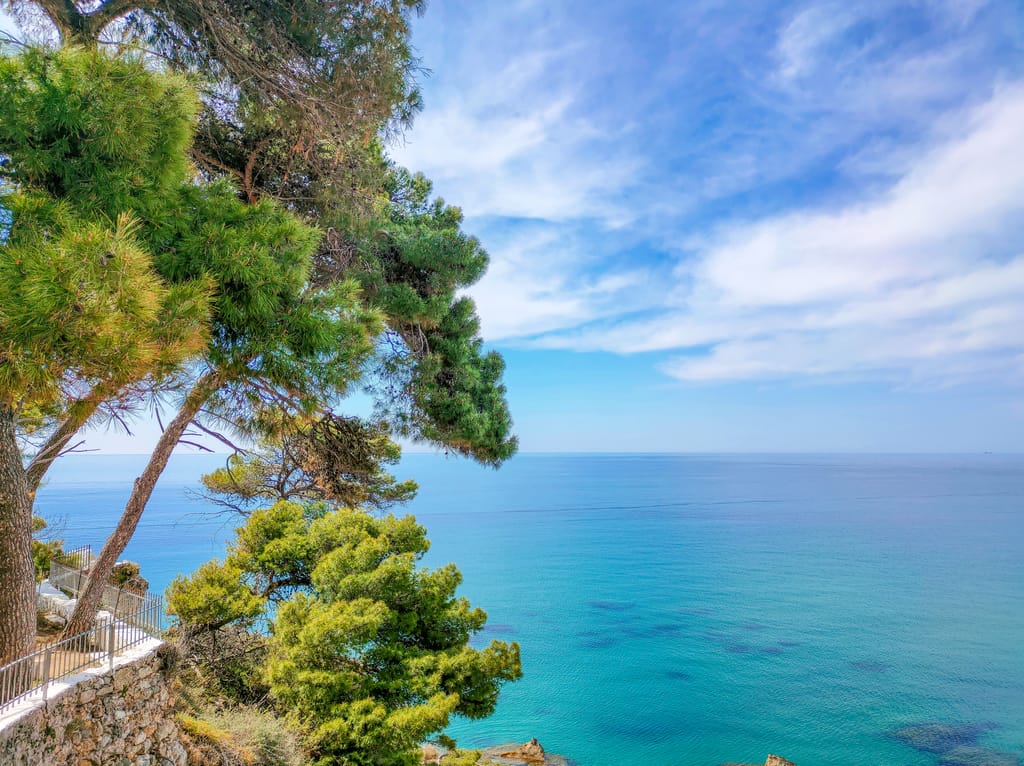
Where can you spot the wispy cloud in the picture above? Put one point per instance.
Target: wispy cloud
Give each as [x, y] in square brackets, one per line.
[915, 282]
[541, 280]
[807, 36]
[511, 141]
[813, 190]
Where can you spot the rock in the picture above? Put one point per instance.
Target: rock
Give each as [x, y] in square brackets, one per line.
[532, 748]
[777, 760]
[529, 753]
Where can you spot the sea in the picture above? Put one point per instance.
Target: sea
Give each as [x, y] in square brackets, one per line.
[837, 610]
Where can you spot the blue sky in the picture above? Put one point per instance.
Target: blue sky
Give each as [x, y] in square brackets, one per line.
[739, 226]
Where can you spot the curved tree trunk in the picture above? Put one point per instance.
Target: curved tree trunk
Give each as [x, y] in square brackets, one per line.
[89, 599]
[17, 573]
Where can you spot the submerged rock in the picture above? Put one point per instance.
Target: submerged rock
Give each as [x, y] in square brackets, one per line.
[968, 755]
[939, 738]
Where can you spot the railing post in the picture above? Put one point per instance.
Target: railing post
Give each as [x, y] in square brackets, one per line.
[46, 672]
[110, 642]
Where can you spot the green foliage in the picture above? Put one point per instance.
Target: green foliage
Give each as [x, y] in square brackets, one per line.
[124, 572]
[466, 758]
[43, 549]
[333, 458]
[224, 665]
[274, 342]
[368, 650]
[197, 727]
[79, 297]
[212, 597]
[438, 385]
[106, 134]
[126, 575]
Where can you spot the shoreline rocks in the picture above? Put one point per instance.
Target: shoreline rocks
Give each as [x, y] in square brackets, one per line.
[529, 753]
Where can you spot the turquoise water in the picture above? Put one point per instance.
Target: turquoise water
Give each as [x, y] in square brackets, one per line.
[701, 609]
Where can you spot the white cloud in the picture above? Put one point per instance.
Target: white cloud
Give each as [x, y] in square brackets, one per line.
[908, 267]
[537, 283]
[930, 223]
[508, 142]
[923, 281]
[803, 40]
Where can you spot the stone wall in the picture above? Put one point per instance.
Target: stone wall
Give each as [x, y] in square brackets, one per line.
[100, 718]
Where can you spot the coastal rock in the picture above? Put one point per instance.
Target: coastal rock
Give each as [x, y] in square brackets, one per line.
[527, 754]
[533, 749]
[530, 752]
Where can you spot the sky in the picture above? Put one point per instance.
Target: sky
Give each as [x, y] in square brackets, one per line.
[738, 226]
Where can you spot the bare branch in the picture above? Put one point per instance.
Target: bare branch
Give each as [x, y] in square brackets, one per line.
[197, 445]
[219, 437]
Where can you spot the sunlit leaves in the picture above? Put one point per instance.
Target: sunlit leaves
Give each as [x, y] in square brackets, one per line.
[369, 650]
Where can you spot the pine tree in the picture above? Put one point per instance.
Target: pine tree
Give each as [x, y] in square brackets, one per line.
[368, 650]
[81, 305]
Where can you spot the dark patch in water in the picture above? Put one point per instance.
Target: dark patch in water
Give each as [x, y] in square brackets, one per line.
[611, 606]
[968, 755]
[770, 650]
[666, 628]
[698, 611]
[605, 642]
[677, 675]
[738, 648]
[714, 635]
[753, 626]
[870, 666]
[500, 628]
[646, 729]
[940, 738]
[789, 644]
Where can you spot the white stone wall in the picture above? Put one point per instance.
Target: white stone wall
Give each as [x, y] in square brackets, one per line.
[99, 718]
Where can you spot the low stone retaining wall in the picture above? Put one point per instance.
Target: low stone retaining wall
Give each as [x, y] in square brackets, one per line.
[99, 718]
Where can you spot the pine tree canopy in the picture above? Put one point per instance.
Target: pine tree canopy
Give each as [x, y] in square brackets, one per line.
[81, 303]
[368, 650]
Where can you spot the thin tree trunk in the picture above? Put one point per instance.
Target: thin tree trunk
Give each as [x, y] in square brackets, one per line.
[89, 599]
[77, 416]
[17, 573]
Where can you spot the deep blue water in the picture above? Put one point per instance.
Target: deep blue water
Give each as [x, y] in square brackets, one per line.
[700, 609]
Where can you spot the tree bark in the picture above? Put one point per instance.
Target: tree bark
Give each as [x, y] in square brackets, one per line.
[75, 27]
[17, 573]
[89, 599]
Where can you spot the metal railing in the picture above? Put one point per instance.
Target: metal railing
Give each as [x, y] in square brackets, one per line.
[31, 675]
[133, 619]
[147, 610]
